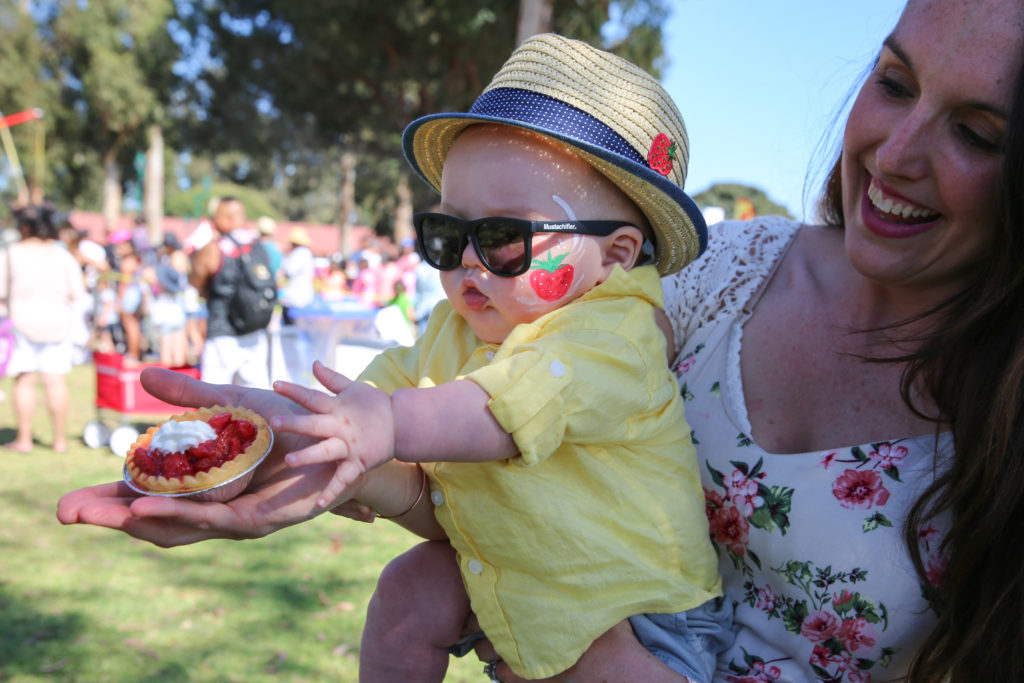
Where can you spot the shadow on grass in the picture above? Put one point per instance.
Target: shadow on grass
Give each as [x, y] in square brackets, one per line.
[32, 642]
[7, 435]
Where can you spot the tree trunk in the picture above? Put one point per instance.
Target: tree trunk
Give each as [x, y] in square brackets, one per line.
[403, 210]
[348, 199]
[111, 190]
[534, 18]
[153, 188]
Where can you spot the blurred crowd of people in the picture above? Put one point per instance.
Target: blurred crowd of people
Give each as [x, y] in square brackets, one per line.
[64, 296]
[137, 299]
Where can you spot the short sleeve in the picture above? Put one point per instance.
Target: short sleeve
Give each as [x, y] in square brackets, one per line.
[528, 393]
[579, 386]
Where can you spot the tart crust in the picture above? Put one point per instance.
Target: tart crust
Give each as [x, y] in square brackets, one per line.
[216, 476]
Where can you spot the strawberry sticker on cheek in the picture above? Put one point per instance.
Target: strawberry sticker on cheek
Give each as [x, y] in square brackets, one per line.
[549, 278]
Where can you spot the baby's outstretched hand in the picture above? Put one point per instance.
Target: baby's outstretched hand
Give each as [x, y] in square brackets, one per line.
[356, 427]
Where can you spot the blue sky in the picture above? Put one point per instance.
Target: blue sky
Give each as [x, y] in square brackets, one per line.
[759, 82]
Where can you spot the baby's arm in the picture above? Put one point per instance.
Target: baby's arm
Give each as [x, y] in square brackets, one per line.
[362, 427]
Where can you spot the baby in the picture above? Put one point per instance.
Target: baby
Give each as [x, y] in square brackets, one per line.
[538, 400]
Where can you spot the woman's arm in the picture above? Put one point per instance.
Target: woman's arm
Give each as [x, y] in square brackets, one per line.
[279, 496]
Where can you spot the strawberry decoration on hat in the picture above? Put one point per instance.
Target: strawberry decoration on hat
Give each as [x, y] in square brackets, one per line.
[662, 154]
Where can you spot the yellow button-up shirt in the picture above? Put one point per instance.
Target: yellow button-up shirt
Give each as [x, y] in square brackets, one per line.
[602, 517]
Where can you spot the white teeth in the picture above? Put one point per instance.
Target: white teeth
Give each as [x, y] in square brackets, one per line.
[887, 205]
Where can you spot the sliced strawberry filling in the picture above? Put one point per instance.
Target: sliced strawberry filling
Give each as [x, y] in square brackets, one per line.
[233, 437]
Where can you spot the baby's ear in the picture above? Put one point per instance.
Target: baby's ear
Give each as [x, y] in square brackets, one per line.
[623, 247]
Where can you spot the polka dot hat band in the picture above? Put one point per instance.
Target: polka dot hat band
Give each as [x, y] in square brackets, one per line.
[614, 114]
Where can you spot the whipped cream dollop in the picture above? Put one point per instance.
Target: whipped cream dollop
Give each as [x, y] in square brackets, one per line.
[176, 437]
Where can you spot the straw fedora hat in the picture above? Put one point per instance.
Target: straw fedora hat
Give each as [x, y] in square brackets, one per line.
[614, 114]
[299, 236]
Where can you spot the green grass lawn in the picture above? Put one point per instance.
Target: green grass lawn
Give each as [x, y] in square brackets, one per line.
[87, 604]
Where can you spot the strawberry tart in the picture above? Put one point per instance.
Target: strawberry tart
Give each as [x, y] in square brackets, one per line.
[198, 451]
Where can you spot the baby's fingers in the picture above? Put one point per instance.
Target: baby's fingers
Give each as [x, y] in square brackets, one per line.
[321, 426]
[334, 489]
[327, 450]
[348, 471]
[310, 399]
[334, 381]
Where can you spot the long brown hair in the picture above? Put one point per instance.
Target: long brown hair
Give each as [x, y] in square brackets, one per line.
[972, 366]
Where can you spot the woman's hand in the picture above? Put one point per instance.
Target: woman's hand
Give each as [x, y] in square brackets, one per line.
[615, 656]
[278, 497]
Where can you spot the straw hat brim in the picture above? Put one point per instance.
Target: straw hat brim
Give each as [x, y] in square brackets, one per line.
[300, 240]
[675, 218]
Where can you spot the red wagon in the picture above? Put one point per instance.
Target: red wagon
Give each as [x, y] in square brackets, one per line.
[118, 389]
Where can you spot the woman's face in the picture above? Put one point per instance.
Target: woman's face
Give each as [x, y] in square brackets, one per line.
[921, 152]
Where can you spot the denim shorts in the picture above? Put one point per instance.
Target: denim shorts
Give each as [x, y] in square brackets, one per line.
[688, 642]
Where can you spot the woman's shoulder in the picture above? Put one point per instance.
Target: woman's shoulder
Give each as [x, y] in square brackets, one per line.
[740, 257]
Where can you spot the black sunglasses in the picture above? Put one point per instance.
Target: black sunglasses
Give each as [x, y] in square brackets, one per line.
[504, 245]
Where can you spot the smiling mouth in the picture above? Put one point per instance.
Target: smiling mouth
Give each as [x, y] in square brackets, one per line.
[897, 210]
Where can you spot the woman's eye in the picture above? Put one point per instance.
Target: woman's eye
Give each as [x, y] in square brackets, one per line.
[892, 87]
[977, 140]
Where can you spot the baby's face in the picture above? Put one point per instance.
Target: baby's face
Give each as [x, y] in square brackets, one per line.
[494, 171]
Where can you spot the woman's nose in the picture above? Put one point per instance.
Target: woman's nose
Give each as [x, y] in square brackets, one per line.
[904, 151]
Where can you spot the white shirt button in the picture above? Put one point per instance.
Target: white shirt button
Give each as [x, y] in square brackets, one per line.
[475, 566]
[437, 498]
[489, 354]
[557, 368]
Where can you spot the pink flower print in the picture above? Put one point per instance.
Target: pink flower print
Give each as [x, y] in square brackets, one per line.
[888, 456]
[819, 626]
[730, 529]
[856, 634]
[685, 364]
[843, 662]
[827, 460]
[938, 565]
[766, 672]
[743, 492]
[858, 676]
[712, 501]
[862, 490]
[821, 656]
[839, 600]
[766, 599]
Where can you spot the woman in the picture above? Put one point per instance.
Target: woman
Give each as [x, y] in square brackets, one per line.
[831, 372]
[40, 282]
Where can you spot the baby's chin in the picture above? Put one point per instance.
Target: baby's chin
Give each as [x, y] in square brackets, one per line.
[491, 334]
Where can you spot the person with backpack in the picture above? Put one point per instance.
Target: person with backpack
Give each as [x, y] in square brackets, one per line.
[233, 273]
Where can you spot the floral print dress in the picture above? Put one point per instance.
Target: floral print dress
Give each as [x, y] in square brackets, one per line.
[810, 545]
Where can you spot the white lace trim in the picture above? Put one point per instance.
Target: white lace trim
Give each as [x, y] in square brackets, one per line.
[739, 258]
[720, 287]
